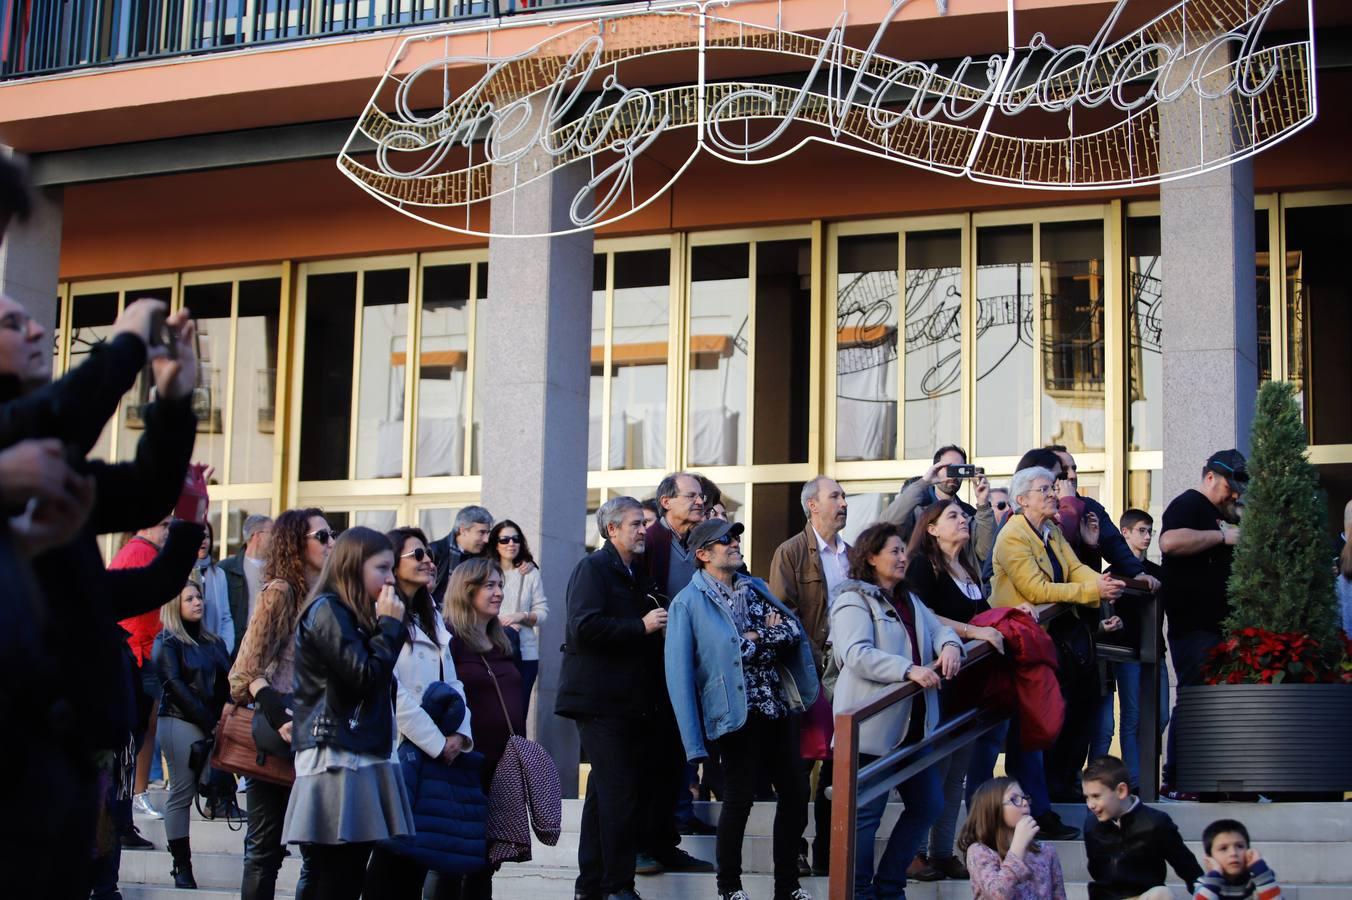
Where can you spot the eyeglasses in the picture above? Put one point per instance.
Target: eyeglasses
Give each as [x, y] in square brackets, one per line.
[418, 554]
[1017, 800]
[1002, 505]
[509, 539]
[692, 497]
[1044, 490]
[1144, 531]
[323, 535]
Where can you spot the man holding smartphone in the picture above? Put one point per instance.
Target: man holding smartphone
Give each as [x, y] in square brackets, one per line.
[942, 482]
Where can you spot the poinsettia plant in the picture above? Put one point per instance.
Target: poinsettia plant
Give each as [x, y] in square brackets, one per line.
[1284, 625]
[1258, 656]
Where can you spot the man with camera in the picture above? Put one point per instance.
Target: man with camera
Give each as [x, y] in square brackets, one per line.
[941, 482]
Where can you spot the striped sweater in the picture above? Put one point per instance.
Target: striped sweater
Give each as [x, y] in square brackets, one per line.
[1261, 884]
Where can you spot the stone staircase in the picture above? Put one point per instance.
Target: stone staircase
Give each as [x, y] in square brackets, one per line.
[1309, 845]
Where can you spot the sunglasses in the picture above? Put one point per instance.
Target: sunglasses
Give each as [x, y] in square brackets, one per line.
[509, 539]
[323, 535]
[724, 540]
[418, 554]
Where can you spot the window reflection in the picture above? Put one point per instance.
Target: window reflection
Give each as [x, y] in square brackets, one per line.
[933, 341]
[91, 319]
[1004, 340]
[596, 381]
[380, 392]
[866, 347]
[641, 334]
[719, 306]
[783, 351]
[210, 307]
[443, 366]
[253, 422]
[1319, 319]
[1145, 324]
[1263, 266]
[326, 382]
[1072, 288]
[482, 366]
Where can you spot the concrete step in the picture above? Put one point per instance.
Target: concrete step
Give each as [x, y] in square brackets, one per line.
[222, 871]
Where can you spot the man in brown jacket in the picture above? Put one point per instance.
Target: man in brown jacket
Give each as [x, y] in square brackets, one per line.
[804, 570]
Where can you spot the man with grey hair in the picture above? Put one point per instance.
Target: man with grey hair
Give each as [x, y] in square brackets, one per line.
[244, 571]
[803, 572]
[468, 539]
[681, 499]
[613, 684]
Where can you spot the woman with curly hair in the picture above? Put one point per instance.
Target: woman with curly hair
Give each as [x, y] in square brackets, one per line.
[264, 675]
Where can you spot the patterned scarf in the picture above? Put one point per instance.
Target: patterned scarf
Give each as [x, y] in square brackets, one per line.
[735, 598]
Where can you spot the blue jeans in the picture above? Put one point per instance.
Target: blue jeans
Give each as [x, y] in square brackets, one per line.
[923, 795]
[1028, 769]
[1188, 650]
[985, 751]
[1129, 700]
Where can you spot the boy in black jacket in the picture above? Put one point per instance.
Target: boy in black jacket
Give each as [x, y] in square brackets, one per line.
[1127, 842]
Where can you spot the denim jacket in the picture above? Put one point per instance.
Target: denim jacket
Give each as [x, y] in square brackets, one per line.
[704, 667]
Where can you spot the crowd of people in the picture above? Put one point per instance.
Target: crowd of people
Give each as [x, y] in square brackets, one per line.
[361, 654]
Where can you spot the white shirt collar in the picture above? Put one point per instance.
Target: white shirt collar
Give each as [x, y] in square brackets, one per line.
[838, 550]
[1135, 802]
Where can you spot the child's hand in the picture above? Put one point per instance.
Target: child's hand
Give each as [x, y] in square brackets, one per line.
[1210, 865]
[1024, 832]
[1250, 857]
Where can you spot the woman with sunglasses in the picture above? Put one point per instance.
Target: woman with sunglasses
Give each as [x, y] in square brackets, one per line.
[425, 659]
[264, 675]
[524, 607]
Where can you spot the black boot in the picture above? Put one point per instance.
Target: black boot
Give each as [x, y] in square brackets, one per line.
[182, 870]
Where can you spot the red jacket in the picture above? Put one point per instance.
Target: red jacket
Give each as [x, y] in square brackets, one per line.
[1026, 685]
[142, 629]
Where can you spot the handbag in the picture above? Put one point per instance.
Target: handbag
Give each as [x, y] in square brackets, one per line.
[236, 752]
[814, 739]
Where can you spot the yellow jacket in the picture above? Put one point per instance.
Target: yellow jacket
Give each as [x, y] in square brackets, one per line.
[1022, 572]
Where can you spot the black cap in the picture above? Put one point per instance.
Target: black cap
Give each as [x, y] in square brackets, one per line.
[1230, 465]
[710, 530]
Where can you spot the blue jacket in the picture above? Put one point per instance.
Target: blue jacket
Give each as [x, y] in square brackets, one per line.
[450, 809]
[704, 667]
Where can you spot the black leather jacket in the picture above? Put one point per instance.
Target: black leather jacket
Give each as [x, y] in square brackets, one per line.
[343, 680]
[195, 679]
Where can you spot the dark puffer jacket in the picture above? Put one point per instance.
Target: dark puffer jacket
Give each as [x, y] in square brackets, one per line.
[343, 678]
[194, 679]
[450, 810]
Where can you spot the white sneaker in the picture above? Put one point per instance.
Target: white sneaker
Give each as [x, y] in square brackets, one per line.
[800, 894]
[735, 895]
[140, 806]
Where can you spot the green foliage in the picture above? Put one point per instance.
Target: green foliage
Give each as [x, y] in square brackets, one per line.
[1282, 579]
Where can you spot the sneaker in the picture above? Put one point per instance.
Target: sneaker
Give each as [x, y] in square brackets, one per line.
[804, 867]
[677, 860]
[951, 866]
[140, 806]
[647, 865]
[798, 894]
[1051, 828]
[738, 894]
[132, 840]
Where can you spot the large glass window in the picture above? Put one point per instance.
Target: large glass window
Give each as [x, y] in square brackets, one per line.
[380, 391]
[720, 291]
[1319, 318]
[1145, 334]
[596, 391]
[91, 320]
[640, 322]
[253, 423]
[1072, 295]
[484, 371]
[1263, 267]
[210, 305]
[867, 319]
[326, 392]
[443, 370]
[1004, 340]
[783, 351]
[933, 324]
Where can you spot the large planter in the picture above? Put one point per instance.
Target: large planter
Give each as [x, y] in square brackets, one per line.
[1263, 738]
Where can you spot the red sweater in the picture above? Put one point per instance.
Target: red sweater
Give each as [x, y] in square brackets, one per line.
[143, 629]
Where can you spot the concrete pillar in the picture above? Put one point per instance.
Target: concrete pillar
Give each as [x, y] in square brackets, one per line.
[30, 256]
[1210, 327]
[534, 382]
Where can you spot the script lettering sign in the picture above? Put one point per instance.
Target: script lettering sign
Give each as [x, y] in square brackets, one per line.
[584, 96]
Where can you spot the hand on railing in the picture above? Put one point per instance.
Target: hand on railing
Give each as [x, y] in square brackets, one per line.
[923, 676]
[950, 661]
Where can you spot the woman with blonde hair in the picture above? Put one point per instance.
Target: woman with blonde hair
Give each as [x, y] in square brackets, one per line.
[483, 660]
[193, 664]
[264, 674]
[348, 793]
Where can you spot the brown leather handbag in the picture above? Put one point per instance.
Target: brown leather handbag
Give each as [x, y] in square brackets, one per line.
[237, 752]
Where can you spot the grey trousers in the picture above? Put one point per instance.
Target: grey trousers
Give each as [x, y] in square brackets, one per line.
[176, 740]
[954, 771]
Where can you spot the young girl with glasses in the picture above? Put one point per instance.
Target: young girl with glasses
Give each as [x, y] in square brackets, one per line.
[524, 606]
[1004, 857]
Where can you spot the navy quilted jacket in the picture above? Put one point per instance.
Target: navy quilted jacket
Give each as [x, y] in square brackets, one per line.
[450, 810]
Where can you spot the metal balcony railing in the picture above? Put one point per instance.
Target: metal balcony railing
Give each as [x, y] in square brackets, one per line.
[39, 37]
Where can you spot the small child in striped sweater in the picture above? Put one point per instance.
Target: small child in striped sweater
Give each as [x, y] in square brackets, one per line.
[1233, 870]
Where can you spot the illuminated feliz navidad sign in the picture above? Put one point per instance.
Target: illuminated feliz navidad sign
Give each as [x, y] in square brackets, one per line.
[1206, 71]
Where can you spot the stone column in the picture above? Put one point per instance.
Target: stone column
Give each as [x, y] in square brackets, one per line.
[29, 259]
[1210, 328]
[534, 382]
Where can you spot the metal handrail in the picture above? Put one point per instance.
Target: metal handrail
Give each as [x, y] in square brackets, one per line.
[853, 785]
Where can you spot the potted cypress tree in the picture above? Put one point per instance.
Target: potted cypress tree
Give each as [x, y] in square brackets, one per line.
[1278, 697]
